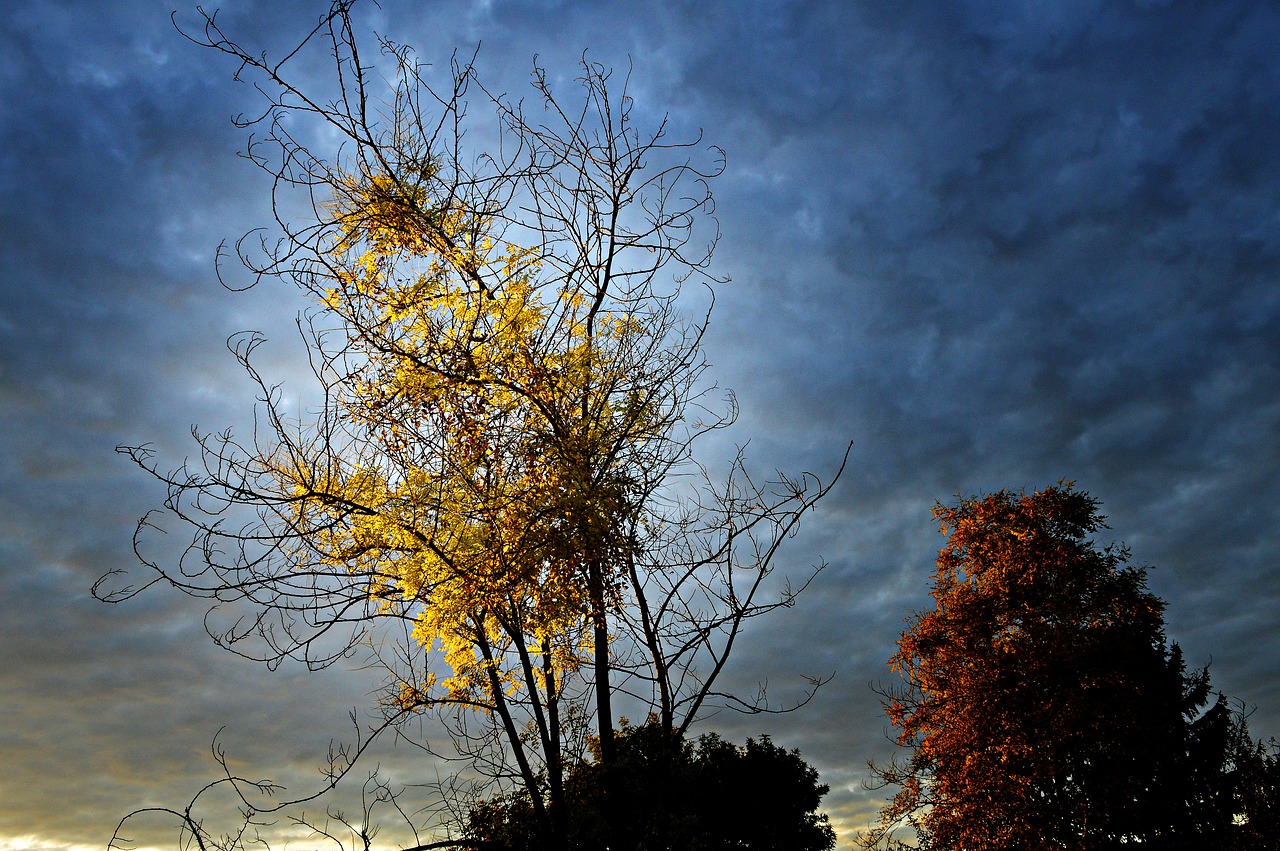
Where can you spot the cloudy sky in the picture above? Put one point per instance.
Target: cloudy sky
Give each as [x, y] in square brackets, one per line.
[994, 243]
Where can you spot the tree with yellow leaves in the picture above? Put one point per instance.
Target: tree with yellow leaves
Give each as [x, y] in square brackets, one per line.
[499, 470]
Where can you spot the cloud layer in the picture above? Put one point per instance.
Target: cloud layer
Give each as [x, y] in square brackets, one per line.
[994, 244]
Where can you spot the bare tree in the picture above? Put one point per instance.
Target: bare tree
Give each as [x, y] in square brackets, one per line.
[497, 493]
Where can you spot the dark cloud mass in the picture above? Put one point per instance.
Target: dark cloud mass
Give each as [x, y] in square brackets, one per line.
[995, 244]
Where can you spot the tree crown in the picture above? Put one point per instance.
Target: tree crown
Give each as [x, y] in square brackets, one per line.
[1041, 707]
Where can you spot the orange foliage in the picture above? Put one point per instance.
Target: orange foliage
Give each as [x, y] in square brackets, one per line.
[1039, 691]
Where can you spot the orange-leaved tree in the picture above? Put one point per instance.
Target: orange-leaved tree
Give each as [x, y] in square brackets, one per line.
[495, 492]
[1041, 707]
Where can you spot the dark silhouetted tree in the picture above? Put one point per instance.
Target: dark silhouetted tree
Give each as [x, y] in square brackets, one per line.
[1257, 788]
[1041, 707]
[708, 795]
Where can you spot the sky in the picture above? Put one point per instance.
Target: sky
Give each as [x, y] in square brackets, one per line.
[994, 244]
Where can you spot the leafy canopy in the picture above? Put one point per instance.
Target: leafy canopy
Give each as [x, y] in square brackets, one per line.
[1041, 707]
[708, 794]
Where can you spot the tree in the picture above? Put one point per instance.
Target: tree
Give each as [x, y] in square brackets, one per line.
[497, 493]
[707, 795]
[1041, 706]
[1257, 770]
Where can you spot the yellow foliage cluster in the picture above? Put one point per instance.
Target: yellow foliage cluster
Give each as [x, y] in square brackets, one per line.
[500, 504]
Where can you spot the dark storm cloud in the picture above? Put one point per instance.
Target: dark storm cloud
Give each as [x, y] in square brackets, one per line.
[1057, 239]
[996, 250]
[993, 243]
